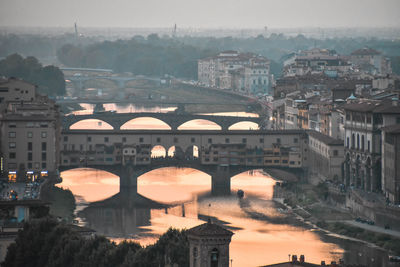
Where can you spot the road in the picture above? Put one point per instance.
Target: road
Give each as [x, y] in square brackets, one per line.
[373, 228]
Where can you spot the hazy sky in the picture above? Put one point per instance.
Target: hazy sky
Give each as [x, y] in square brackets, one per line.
[201, 13]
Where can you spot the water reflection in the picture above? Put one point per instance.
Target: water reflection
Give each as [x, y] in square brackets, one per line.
[262, 234]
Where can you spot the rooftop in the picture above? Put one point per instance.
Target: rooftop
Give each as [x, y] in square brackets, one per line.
[393, 129]
[325, 138]
[209, 229]
[365, 51]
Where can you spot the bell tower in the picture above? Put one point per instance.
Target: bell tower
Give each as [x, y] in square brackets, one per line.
[209, 245]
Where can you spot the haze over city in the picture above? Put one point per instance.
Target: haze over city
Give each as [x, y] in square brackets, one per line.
[201, 14]
[208, 133]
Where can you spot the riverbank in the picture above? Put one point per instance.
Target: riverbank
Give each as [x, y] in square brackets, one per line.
[307, 202]
[62, 201]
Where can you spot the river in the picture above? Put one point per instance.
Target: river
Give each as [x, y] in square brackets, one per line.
[261, 235]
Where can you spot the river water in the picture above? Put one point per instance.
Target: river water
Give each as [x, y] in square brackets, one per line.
[261, 234]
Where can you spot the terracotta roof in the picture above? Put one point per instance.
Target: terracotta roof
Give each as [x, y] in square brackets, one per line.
[325, 138]
[362, 107]
[365, 51]
[209, 229]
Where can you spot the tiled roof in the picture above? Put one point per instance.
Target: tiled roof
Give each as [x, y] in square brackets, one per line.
[209, 229]
[365, 51]
[325, 138]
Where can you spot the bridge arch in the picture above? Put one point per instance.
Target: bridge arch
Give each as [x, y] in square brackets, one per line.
[175, 152]
[199, 124]
[145, 123]
[158, 151]
[91, 124]
[244, 125]
[192, 152]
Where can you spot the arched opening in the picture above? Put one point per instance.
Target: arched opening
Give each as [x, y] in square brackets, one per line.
[368, 186]
[91, 124]
[158, 152]
[89, 185]
[145, 123]
[192, 152]
[199, 125]
[254, 182]
[244, 125]
[173, 185]
[214, 257]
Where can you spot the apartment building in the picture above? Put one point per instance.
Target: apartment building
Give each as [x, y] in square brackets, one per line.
[30, 130]
[391, 162]
[245, 72]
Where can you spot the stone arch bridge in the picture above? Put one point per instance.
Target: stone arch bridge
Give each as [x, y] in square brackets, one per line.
[79, 81]
[173, 120]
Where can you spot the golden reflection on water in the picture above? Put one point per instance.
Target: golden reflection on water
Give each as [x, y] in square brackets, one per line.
[255, 242]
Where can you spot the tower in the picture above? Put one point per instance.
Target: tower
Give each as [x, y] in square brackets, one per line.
[209, 245]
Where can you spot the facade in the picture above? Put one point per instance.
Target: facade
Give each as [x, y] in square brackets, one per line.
[363, 141]
[391, 162]
[244, 72]
[30, 131]
[316, 61]
[370, 61]
[16, 90]
[209, 245]
[326, 156]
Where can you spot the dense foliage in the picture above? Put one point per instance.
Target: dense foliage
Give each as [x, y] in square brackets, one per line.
[49, 79]
[47, 243]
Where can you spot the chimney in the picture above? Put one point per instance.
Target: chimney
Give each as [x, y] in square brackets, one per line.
[294, 258]
[302, 259]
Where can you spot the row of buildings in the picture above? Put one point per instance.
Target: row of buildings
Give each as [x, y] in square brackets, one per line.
[246, 73]
[356, 110]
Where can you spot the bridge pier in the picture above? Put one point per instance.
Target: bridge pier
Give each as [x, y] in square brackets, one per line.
[128, 180]
[221, 181]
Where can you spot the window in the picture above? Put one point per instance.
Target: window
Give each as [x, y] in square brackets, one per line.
[11, 134]
[106, 139]
[175, 139]
[29, 134]
[29, 155]
[89, 139]
[44, 134]
[278, 140]
[295, 140]
[44, 156]
[227, 140]
[362, 142]
[244, 140]
[192, 139]
[44, 146]
[43, 125]
[65, 138]
[158, 140]
[72, 147]
[29, 165]
[358, 141]
[44, 165]
[123, 139]
[12, 125]
[12, 145]
[81, 147]
[65, 148]
[369, 146]
[12, 155]
[348, 142]
[209, 140]
[261, 140]
[141, 139]
[397, 120]
[335, 152]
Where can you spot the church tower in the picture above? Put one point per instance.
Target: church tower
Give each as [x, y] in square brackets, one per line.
[209, 245]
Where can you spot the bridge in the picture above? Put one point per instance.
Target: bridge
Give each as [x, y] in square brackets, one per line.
[173, 120]
[120, 81]
[220, 154]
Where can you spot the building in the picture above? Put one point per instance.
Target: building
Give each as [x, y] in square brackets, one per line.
[363, 141]
[209, 245]
[243, 72]
[316, 61]
[30, 130]
[325, 156]
[370, 61]
[391, 162]
[16, 90]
